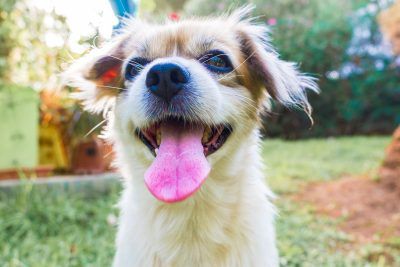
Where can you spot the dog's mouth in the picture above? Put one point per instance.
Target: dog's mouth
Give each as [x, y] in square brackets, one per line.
[213, 138]
[180, 149]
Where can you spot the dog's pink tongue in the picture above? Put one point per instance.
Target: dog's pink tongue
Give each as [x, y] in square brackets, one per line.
[180, 166]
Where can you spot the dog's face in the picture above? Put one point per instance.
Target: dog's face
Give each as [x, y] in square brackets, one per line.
[183, 94]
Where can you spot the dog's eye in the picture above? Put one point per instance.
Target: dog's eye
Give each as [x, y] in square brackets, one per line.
[216, 61]
[134, 67]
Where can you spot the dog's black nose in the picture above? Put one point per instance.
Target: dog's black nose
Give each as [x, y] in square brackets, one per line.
[165, 80]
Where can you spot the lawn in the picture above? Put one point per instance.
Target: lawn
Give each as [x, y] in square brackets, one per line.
[291, 163]
[63, 226]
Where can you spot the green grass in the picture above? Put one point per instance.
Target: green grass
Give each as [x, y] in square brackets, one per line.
[61, 226]
[291, 163]
[307, 240]
[43, 226]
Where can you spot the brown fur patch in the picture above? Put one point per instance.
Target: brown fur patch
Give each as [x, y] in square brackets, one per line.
[189, 39]
[192, 39]
[254, 62]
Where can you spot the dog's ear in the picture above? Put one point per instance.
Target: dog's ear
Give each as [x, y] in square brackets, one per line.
[97, 76]
[281, 79]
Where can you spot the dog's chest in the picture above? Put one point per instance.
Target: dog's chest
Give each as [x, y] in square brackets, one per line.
[201, 234]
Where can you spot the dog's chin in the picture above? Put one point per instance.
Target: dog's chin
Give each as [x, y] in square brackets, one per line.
[180, 149]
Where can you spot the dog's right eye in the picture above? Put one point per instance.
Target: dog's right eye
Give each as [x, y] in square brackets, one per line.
[134, 67]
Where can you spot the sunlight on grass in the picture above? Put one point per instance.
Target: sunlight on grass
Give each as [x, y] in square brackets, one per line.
[290, 163]
[62, 226]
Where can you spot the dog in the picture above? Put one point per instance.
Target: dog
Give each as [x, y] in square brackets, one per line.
[182, 102]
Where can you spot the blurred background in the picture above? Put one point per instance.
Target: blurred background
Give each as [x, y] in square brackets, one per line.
[338, 180]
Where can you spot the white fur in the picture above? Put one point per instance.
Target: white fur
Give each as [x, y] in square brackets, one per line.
[229, 222]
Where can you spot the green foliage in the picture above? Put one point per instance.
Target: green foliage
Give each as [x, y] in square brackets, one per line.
[7, 40]
[61, 225]
[25, 34]
[317, 35]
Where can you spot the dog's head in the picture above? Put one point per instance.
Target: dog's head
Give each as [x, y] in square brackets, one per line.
[180, 92]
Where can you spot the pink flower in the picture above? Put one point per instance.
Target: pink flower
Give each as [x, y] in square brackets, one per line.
[174, 16]
[271, 21]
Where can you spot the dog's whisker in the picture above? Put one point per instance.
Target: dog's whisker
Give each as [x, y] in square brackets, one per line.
[111, 87]
[95, 127]
[112, 56]
[204, 56]
[69, 54]
[123, 7]
[217, 55]
[238, 66]
[93, 45]
[136, 64]
[229, 76]
[108, 154]
[132, 63]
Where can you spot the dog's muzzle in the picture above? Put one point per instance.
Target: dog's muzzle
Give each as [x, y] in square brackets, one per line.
[176, 133]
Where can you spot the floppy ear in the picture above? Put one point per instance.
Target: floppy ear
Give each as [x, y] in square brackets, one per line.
[281, 79]
[97, 76]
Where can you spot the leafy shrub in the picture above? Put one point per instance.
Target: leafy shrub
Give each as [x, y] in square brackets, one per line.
[360, 89]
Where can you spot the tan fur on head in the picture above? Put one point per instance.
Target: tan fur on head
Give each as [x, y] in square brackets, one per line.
[256, 64]
[228, 222]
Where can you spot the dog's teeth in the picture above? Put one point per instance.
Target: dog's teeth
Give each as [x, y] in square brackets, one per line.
[156, 151]
[206, 135]
[158, 137]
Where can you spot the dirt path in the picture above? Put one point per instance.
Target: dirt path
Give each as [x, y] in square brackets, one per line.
[370, 209]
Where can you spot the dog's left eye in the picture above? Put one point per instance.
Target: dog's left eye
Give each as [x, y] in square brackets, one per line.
[134, 67]
[216, 61]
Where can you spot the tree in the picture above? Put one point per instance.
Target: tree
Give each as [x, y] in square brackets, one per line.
[359, 90]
